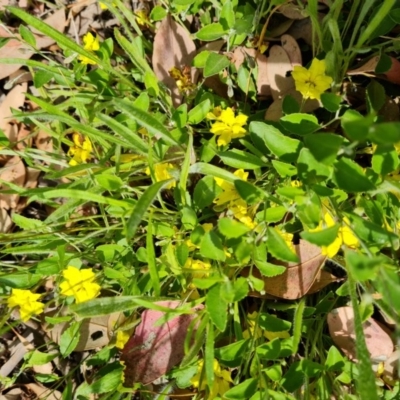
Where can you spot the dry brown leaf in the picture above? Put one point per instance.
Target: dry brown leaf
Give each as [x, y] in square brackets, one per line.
[274, 111]
[302, 30]
[5, 221]
[280, 29]
[173, 47]
[13, 171]
[298, 278]
[292, 49]
[323, 279]
[293, 11]
[4, 3]
[263, 86]
[391, 367]
[15, 49]
[341, 328]
[14, 99]
[23, 138]
[278, 66]
[366, 69]
[13, 394]
[44, 142]
[43, 392]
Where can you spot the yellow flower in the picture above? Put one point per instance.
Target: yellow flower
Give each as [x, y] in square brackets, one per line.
[288, 237]
[239, 210]
[214, 114]
[229, 193]
[200, 269]
[80, 284]
[90, 43]
[103, 6]
[27, 303]
[345, 235]
[161, 172]
[222, 380]
[183, 79]
[81, 150]
[312, 82]
[142, 17]
[228, 127]
[122, 338]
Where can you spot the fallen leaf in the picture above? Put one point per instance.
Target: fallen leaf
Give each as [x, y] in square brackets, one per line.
[293, 11]
[299, 277]
[323, 279]
[341, 328]
[263, 86]
[154, 349]
[302, 29]
[43, 392]
[391, 367]
[23, 138]
[14, 172]
[292, 49]
[173, 47]
[280, 29]
[278, 66]
[14, 99]
[5, 221]
[57, 21]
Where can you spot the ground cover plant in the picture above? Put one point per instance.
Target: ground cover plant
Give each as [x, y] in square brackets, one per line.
[200, 200]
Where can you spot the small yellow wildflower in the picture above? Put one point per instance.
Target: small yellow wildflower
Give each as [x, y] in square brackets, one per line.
[222, 380]
[161, 172]
[90, 43]
[80, 284]
[229, 193]
[345, 235]
[183, 79]
[81, 151]
[122, 338]
[103, 6]
[239, 210]
[200, 269]
[27, 303]
[312, 82]
[228, 127]
[142, 17]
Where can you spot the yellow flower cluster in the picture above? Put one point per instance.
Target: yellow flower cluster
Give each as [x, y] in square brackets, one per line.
[27, 302]
[80, 151]
[345, 235]
[80, 284]
[183, 79]
[222, 380]
[312, 82]
[92, 44]
[227, 125]
[161, 173]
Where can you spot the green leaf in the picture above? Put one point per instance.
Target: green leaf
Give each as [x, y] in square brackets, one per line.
[385, 62]
[243, 390]
[205, 192]
[211, 247]
[109, 182]
[355, 125]
[70, 338]
[376, 96]
[231, 228]
[27, 35]
[362, 267]
[270, 350]
[20, 280]
[240, 289]
[324, 146]
[350, 177]
[151, 259]
[331, 101]
[334, 360]
[290, 105]
[144, 202]
[294, 377]
[248, 192]
[36, 357]
[385, 159]
[215, 63]
[241, 159]
[208, 169]
[299, 123]
[227, 16]
[232, 354]
[153, 126]
[284, 169]
[322, 238]
[278, 248]
[216, 307]
[158, 13]
[200, 60]
[189, 218]
[269, 270]
[211, 32]
[183, 2]
[40, 78]
[27, 224]
[273, 214]
[273, 324]
[385, 133]
[285, 148]
[311, 171]
[245, 81]
[198, 113]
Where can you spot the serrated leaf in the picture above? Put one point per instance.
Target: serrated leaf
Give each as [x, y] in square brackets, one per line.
[278, 248]
[69, 339]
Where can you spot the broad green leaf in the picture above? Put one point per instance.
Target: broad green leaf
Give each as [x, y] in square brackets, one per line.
[273, 324]
[294, 377]
[211, 32]
[272, 214]
[299, 123]
[322, 238]
[385, 159]
[109, 182]
[158, 13]
[355, 125]
[278, 248]
[70, 338]
[208, 169]
[385, 133]
[143, 118]
[385, 62]
[144, 202]
[269, 270]
[215, 63]
[231, 228]
[245, 81]
[241, 159]
[324, 146]
[240, 289]
[20, 280]
[334, 360]
[36, 357]
[232, 354]
[200, 60]
[362, 267]
[284, 147]
[248, 192]
[290, 105]
[270, 350]
[189, 218]
[216, 307]
[198, 113]
[284, 169]
[376, 96]
[311, 171]
[350, 177]
[227, 16]
[205, 192]
[243, 390]
[211, 247]
[331, 101]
